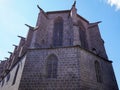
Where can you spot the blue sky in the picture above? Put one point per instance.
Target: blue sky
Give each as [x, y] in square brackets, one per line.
[15, 13]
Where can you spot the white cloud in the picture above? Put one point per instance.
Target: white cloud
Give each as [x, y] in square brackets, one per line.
[115, 3]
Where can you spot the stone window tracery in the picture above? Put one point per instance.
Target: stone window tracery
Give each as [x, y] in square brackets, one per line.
[52, 64]
[58, 32]
[98, 72]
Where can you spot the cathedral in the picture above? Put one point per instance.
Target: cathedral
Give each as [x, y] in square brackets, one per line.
[64, 51]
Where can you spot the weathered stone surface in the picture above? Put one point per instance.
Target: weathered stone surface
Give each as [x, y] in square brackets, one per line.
[75, 67]
[75, 70]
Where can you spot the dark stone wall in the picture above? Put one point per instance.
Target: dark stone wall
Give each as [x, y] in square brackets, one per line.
[76, 71]
[88, 79]
[34, 74]
[95, 41]
[81, 32]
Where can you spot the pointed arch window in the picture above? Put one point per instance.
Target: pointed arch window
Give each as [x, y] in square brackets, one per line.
[52, 64]
[58, 32]
[98, 72]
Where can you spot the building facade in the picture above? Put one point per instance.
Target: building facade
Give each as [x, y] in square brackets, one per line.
[63, 52]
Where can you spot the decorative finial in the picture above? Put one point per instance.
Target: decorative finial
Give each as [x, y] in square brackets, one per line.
[9, 52]
[99, 22]
[34, 28]
[74, 3]
[6, 58]
[28, 26]
[14, 45]
[21, 37]
[39, 7]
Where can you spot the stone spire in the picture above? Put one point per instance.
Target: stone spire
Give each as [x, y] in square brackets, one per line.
[39, 8]
[73, 15]
[74, 4]
[74, 10]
